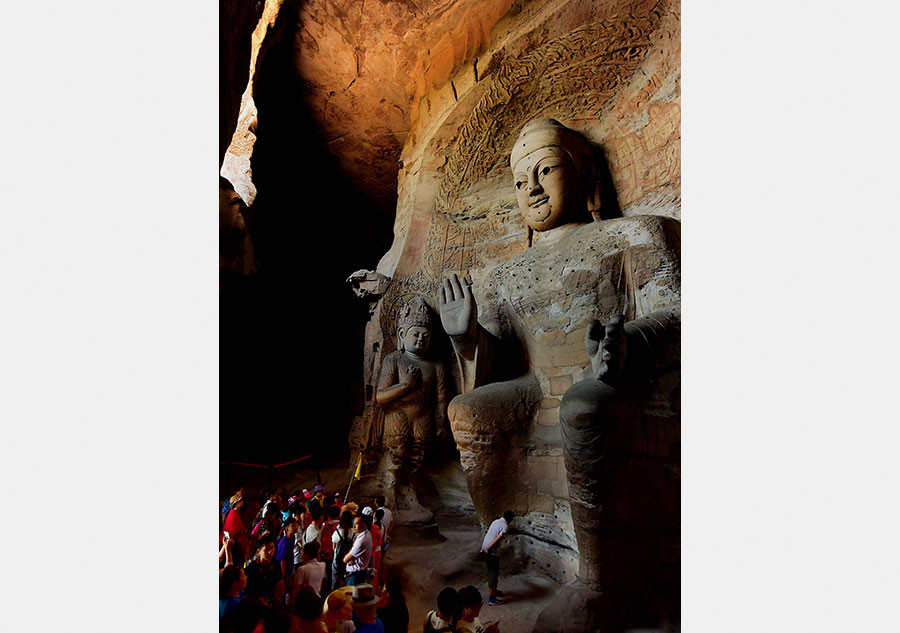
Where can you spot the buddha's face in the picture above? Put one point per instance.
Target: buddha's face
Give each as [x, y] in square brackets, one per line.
[416, 339]
[548, 188]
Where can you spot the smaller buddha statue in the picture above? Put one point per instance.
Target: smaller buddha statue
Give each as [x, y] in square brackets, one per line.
[412, 392]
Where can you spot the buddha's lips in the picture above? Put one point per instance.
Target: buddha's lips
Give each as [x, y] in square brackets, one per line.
[538, 203]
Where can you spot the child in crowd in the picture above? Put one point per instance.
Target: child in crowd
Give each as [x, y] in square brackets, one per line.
[312, 572]
[441, 620]
[470, 604]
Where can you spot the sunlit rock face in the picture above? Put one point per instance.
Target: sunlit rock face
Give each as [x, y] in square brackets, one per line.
[369, 65]
[237, 19]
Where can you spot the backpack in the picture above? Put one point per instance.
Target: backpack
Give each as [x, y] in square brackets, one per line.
[430, 629]
[343, 546]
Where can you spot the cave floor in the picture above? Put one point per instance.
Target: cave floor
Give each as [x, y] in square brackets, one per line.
[427, 565]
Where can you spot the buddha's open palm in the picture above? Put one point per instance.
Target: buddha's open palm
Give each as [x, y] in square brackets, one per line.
[457, 306]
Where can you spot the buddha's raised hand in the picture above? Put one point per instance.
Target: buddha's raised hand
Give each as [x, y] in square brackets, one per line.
[457, 307]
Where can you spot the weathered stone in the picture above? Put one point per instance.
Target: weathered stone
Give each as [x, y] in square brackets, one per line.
[559, 384]
[548, 417]
[540, 503]
[550, 403]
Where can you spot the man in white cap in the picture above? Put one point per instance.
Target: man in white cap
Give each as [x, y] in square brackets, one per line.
[364, 601]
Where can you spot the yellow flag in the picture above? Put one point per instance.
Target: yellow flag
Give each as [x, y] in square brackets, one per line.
[358, 467]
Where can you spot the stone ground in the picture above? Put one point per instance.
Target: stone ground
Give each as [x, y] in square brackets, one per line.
[428, 565]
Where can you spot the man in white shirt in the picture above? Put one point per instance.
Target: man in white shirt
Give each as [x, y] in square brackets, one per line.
[314, 528]
[491, 548]
[312, 572]
[360, 554]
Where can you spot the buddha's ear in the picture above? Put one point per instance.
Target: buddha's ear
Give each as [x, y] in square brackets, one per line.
[401, 333]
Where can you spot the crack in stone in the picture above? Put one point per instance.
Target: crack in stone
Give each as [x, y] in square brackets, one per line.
[547, 541]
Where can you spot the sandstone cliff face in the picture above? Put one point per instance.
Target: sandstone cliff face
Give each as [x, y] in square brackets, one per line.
[418, 104]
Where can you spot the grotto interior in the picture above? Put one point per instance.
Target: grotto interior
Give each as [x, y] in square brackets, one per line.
[449, 254]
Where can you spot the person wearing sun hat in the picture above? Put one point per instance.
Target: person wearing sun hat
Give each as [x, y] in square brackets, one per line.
[339, 611]
[236, 530]
[364, 601]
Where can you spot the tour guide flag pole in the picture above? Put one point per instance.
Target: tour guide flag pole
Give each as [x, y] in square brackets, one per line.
[355, 476]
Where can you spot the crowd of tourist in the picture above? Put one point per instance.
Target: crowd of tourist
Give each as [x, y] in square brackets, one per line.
[314, 564]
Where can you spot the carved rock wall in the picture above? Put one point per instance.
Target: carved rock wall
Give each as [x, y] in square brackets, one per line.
[608, 69]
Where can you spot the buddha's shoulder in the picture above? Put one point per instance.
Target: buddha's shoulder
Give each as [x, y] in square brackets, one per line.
[636, 229]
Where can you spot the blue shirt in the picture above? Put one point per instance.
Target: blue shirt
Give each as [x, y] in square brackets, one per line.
[285, 552]
[226, 607]
[378, 627]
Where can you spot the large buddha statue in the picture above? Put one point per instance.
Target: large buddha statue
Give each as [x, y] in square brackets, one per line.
[594, 301]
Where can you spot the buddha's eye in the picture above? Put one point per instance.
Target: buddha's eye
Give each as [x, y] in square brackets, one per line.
[546, 170]
[519, 184]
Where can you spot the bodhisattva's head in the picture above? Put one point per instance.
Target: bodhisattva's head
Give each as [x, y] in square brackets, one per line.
[414, 327]
[553, 172]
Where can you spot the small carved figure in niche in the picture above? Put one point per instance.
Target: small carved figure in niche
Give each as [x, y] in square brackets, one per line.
[535, 314]
[412, 390]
